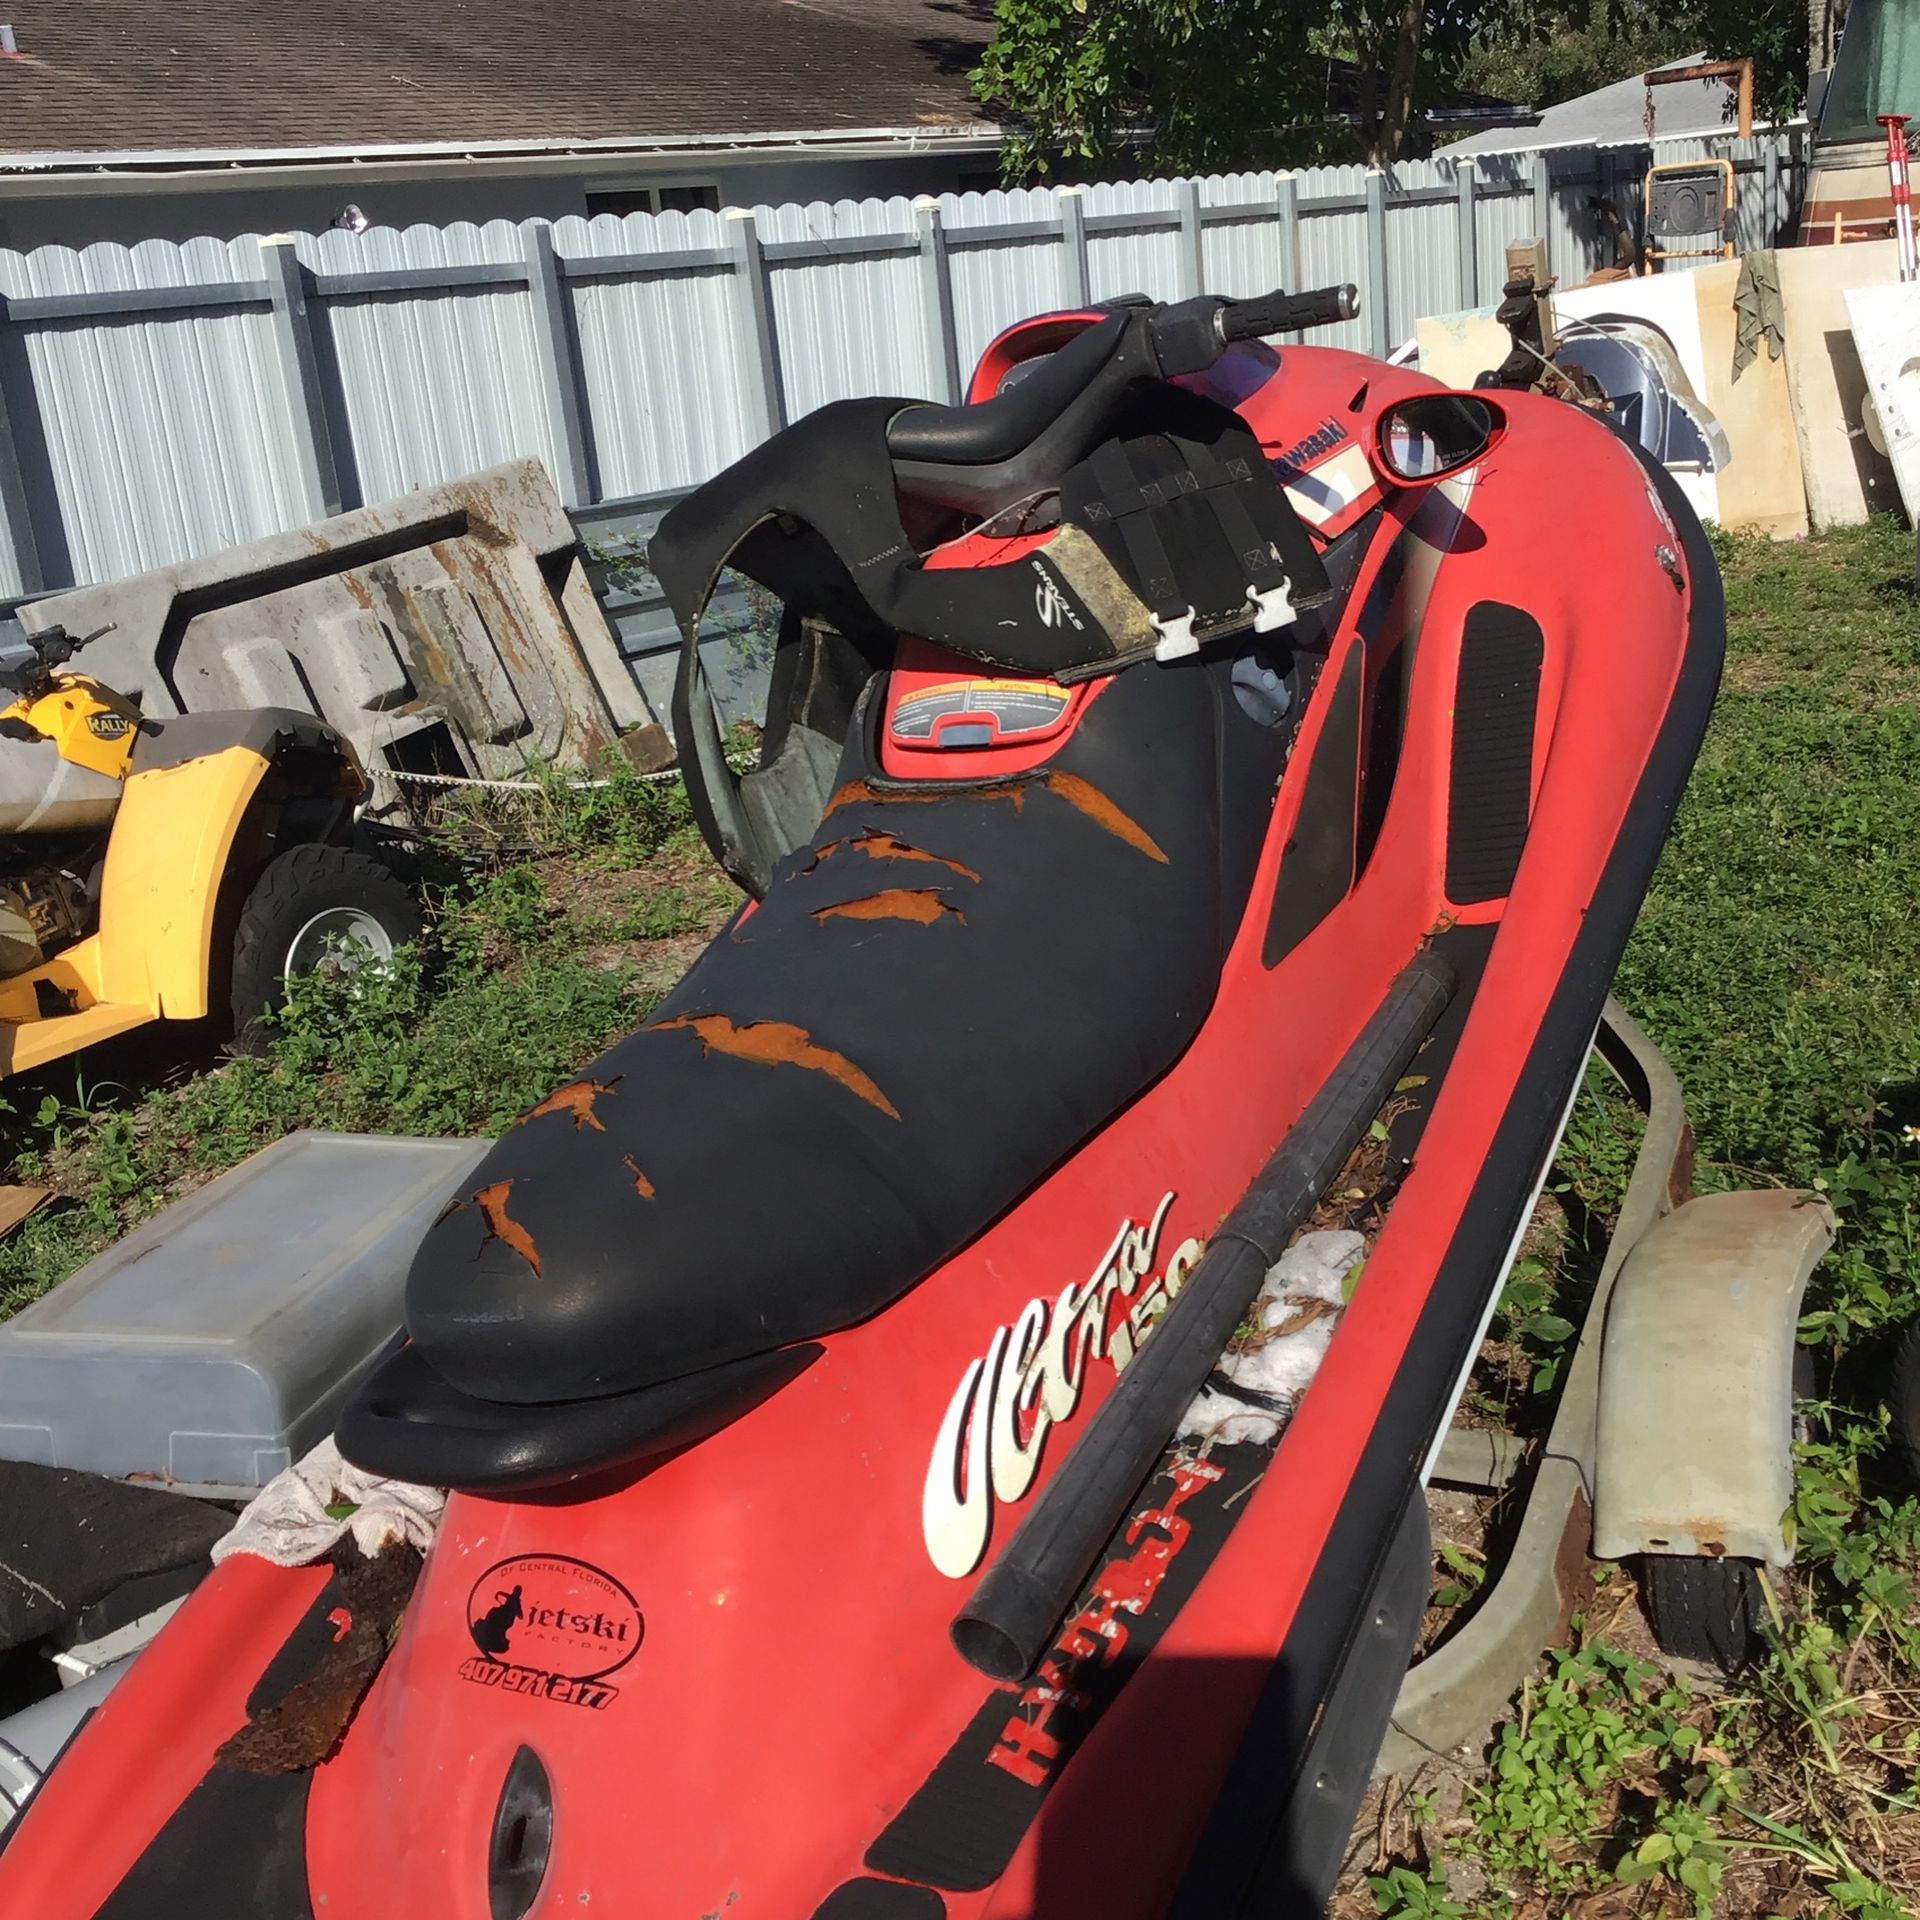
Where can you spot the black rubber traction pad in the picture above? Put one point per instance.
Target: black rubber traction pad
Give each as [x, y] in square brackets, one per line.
[880, 1900]
[1489, 796]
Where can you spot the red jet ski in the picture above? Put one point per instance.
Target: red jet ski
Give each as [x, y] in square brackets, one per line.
[1183, 761]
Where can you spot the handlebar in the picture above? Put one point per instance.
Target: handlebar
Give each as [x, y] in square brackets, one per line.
[1191, 336]
[27, 660]
[1288, 312]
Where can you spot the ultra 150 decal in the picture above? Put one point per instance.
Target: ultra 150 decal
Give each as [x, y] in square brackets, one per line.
[1031, 1378]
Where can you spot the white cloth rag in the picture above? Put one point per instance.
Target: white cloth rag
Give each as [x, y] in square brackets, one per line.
[1306, 1284]
[287, 1521]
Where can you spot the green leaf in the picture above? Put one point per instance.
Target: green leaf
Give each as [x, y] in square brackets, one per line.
[1700, 1875]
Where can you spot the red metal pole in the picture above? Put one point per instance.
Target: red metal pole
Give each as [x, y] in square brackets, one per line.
[1896, 126]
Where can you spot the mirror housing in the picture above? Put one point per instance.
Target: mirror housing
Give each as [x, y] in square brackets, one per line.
[1435, 434]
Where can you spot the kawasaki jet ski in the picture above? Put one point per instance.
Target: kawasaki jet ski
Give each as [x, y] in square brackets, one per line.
[1192, 767]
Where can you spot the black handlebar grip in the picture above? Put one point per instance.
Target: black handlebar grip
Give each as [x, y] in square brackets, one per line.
[1288, 312]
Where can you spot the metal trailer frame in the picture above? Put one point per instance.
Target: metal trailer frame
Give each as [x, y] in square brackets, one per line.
[1463, 1686]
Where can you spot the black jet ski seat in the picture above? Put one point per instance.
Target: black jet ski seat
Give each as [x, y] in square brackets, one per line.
[944, 989]
[938, 1000]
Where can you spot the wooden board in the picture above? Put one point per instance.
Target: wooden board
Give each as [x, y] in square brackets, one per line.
[1885, 322]
[1456, 348]
[1761, 485]
[17, 1202]
[1846, 479]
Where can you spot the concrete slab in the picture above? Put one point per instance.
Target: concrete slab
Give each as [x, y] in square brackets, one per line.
[448, 631]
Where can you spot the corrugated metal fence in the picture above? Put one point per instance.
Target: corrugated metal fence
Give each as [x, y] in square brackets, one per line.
[160, 400]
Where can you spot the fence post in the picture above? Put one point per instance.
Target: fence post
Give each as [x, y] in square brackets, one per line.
[753, 306]
[936, 298]
[1286, 200]
[1770, 194]
[1465, 240]
[1191, 269]
[1375, 301]
[1543, 201]
[16, 516]
[559, 363]
[1073, 238]
[306, 402]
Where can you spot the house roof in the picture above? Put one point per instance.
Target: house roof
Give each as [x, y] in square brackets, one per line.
[185, 77]
[1616, 115]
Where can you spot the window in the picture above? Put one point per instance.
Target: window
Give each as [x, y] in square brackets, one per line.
[683, 196]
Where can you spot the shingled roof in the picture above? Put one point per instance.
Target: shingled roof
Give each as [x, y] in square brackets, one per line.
[130, 77]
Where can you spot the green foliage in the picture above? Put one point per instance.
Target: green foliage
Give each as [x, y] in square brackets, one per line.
[1774, 32]
[1205, 85]
[1541, 58]
[1544, 55]
[1199, 84]
[1402, 1894]
[1468, 1571]
[1552, 1806]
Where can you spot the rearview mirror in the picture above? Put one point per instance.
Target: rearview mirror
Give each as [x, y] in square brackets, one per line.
[1435, 434]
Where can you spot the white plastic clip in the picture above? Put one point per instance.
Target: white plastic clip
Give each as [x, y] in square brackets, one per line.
[1176, 636]
[1273, 609]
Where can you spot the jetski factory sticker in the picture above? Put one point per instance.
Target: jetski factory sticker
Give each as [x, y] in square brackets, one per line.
[550, 1626]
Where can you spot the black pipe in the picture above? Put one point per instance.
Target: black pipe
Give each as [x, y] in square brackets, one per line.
[1009, 1621]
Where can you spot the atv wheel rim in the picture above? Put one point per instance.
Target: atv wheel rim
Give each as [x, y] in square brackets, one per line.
[339, 940]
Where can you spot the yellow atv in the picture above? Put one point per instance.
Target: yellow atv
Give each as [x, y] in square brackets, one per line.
[167, 869]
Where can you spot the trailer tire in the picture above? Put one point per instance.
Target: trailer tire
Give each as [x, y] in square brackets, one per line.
[305, 898]
[1703, 1609]
[1903, 1400]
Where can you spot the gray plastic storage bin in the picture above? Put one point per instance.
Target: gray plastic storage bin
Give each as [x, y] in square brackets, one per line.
[215, 1344]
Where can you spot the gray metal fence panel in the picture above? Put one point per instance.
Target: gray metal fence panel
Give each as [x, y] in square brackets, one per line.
[437, 382]
[847, 323]
[161, 400]
[1333, 246]
[1422, 217]
[664, 367]
[1133, 240]
[149, 434]
[996, 281]
[1247, 247]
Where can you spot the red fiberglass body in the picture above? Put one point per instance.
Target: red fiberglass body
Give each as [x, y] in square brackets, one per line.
[730, 1662]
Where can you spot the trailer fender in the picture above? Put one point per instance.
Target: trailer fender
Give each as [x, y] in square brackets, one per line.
[1695, 1437]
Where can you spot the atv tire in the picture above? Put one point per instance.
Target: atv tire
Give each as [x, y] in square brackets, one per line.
[1903, 1401]
[302, 897]
[1703, 1609]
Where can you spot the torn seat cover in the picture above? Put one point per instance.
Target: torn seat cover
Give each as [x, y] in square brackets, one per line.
[938, 1000]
